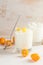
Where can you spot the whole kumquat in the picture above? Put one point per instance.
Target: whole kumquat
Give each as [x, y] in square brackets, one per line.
[25, 52]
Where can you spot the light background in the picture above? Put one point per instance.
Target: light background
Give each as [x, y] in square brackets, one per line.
[10, 9]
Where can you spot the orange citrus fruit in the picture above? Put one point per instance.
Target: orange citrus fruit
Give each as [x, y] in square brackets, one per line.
[25, 52]
[2, 41]
[24, 29]
[35, 57]
[18, 29]
[9, 43]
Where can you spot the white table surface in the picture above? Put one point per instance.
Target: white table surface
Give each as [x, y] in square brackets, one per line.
[16, 59]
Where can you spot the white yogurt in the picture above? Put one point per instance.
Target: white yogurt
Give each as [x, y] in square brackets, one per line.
[23, 39]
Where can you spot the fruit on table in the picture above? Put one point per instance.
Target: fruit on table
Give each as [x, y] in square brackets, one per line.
[25, 52]
[23, 29]
[10, 42]
[18, 29]
[35, 56]
[2, 41]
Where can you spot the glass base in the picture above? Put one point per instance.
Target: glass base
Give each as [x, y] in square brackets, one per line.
[19, 50]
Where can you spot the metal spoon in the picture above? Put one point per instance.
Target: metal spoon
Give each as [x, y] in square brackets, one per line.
[13, 30]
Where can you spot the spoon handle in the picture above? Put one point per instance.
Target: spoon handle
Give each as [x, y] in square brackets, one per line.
[14, 27]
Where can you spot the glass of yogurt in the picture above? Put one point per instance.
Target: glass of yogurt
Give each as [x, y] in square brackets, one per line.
[23, 38]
